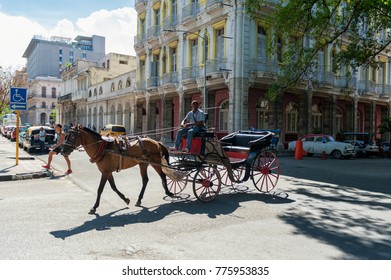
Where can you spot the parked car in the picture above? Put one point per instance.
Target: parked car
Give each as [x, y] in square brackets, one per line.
[319, 143]
[363, 149]
[31, 141]
[113, 130]
[13, 132]
[384, 149]
[9, 130]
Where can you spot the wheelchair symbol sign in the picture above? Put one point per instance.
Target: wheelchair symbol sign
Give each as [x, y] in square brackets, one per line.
[18, 98]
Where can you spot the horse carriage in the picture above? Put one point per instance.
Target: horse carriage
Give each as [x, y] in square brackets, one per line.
[231, 160]
[210, 163]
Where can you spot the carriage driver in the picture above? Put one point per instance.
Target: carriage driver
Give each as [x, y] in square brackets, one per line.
[192, 123]
[56, 149]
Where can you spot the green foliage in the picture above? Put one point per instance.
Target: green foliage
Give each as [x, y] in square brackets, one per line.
[310, 26]
[385, 127]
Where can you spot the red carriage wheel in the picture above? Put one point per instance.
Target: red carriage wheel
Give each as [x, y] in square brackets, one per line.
[176, 179]
[206, 183]
[265, 171]
[237, 174]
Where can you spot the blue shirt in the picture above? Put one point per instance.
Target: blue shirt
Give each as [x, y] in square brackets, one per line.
[197, 116]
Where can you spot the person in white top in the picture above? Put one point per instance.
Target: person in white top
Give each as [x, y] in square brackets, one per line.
[192, 123]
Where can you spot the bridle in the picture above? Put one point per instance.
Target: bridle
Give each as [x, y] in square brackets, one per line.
[70, 142]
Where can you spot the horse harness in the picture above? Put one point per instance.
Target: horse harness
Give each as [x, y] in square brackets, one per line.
[124, 144]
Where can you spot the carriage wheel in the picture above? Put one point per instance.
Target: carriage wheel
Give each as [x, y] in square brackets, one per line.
[206, 183]
[177, 181]
[265, 171]
[237, 173]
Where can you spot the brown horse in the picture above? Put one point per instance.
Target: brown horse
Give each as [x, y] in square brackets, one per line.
[109, 157]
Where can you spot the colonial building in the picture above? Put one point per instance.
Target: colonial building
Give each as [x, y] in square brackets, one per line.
[86, 88]
[46, 59]
[213, 51]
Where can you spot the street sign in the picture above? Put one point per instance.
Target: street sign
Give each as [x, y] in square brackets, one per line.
[18, 99]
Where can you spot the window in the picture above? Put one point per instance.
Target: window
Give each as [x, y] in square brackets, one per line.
[220, 45]
[120, 84]
[84, 55]
[95, 92]
[262, 114]
[53, 92]
[194, 52]
[164, 63]
[358, 121]
[174, 60]
[317, 118]
[100, 90]
[338, 120]
[43, 91]
[262, 43]
[223, 125]
[43, 104]
[174, 12]
[291, 115]
[60, 52]
[123, 62]
[128, 82]
[112, 87]
[334, 61]
[279, 50]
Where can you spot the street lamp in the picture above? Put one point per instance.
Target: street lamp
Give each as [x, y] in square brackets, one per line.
[204, 60]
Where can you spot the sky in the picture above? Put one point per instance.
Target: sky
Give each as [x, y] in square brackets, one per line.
[20, 20]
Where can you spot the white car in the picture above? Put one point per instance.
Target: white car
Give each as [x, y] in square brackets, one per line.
[362, 149]
[319, 143]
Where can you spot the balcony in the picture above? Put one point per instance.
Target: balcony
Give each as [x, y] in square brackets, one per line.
[153, 33]
[266, 68]
[190, 74]
[139, 41]
[170, 22]
[153, 82]
[80, 95]
[366, 87]
[213, 6]
[189, 13]
[383, 90]
[169, 80]
[140, 5]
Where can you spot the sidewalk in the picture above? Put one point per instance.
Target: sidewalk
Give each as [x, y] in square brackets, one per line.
[29, 166]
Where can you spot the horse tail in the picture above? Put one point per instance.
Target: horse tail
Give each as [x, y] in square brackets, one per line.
[164, 152]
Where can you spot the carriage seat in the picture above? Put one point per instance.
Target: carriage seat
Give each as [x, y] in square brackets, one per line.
[245, 142]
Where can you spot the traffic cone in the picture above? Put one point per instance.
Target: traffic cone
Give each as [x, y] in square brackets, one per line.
[324, 157]
[299, 152]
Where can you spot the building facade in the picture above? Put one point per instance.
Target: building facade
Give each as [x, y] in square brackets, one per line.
[183, 46]
[46, 60]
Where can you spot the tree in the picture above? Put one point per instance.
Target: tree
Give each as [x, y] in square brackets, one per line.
[357, 29]
[5, 85]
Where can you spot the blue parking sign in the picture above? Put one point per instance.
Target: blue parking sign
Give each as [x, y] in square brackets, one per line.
[18, 98]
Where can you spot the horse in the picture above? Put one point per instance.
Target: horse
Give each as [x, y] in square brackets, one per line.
[109, 157]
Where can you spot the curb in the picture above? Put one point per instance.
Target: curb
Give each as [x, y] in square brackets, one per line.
[25, 176]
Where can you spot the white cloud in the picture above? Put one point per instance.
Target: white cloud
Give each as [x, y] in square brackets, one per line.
[118, 26]
[15, 34]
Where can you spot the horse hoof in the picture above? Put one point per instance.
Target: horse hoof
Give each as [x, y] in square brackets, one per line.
[138, 203]
[127, 201]
[92, 212]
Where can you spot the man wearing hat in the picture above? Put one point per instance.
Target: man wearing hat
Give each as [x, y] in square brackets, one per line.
[192, 123]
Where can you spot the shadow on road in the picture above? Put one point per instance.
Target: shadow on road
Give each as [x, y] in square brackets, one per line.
[225, 204]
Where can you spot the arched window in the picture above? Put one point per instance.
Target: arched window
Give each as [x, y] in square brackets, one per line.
[95, 92]
[112, 87]
[317, 118]
[100, 90]
[128, 82]
[263, 114]
[120, 84]
[89, 93]
[223, 121]
[291, 117]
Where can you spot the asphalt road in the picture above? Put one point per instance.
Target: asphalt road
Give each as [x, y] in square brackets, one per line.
[321, 209]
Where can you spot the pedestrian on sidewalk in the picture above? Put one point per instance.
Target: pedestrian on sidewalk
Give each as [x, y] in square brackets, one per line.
[56, 149]
[42, 138]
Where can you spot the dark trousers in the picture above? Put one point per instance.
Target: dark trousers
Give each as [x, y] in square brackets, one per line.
[42, 146]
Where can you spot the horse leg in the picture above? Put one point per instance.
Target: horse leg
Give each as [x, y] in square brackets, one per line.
[114, 187]
[144, 176]
[163, 176]
[102, 184]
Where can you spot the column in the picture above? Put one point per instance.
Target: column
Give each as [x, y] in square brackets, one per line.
[308, 113]
[355, 108]
[333, 112]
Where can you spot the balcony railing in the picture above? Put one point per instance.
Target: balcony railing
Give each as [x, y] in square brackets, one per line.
[266, 66]
[213, 66]
[170, 22]
[153, 82]
[190, 11]
[191, 72]
[169, 78]
[154, 31]
[366, 86]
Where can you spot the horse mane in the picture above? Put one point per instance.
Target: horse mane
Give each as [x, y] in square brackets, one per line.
[90, 131]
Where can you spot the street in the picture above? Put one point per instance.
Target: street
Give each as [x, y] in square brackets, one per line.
[321, 209]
